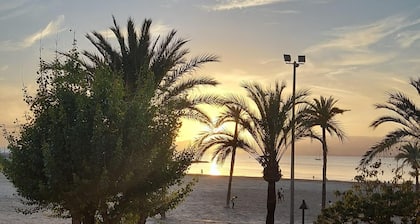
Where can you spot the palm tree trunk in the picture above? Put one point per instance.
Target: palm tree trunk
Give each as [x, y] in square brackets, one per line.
[142, 220]
[417, 180]
[271, 202]
[232, 165]
[324, 168]
[89, 218]
[75, 220]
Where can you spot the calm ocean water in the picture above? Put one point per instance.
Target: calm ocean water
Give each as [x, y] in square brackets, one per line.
[341, 168]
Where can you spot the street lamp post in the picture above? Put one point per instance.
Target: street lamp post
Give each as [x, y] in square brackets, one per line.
[303, 206]
[301, 60]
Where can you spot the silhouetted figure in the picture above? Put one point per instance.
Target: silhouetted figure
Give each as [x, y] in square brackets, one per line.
[232, 200]
[162, 215]
[280, 195]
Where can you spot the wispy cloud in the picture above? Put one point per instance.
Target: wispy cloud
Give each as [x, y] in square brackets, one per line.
[406, 39]
[331, 90]
[52, 28]
[160, 29]
[356, 46]
[269, 61]
[4, 68]
[10, 9]
[355, 38]
[359, 38]
[239, 4]
[364, 58]
[286, 11]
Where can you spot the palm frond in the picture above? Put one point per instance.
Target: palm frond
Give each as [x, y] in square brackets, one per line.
[186, 85]
[120, 38]
[390, 140]
[186, 68]
[416, 84]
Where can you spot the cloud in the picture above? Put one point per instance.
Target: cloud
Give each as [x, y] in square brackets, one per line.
[239, 4]
[159, 29]
[286, 11]
[11, 9]
[354, 47]
[270, 61]
[406, 39]
[4, 68]
[364, 58]
[332, 90]
[360, 38]
[52, 28]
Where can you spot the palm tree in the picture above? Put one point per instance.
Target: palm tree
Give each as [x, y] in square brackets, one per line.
[410, 155]
[222, 141]
[405, 114]
[268, 127]
[321, 113]
[140, 60]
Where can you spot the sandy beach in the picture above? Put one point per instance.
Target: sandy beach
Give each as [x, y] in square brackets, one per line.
[206, 204]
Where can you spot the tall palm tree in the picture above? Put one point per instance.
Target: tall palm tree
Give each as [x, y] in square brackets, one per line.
[223, 142]
[268, 129]
[410, 155]
[405, 114]
[140, 60]
[322, 113]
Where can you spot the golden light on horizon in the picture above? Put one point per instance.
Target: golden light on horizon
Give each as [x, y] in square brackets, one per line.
[214, 168]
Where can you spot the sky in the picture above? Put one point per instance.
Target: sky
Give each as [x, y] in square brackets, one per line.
[356, 51]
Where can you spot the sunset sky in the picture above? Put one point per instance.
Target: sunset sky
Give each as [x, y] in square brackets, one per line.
[355, 50]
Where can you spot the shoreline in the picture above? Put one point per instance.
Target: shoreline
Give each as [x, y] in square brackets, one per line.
[206, 203]
[282, 179]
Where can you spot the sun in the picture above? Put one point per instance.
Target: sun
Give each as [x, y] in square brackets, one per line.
[214, 169]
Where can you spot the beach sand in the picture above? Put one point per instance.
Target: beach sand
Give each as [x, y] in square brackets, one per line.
[206, 204]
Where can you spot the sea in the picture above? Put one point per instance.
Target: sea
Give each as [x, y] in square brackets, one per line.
[339, 168]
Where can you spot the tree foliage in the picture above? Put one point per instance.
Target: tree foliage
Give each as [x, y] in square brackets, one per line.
[373, 201]
[405, 114]
[91, 152]
[264, 118]
[410, 156]
[322, 113]
[222, 141]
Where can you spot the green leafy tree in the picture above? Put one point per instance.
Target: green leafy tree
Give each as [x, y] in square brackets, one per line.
[372, 201]
[100, 147]
[174, 87]
[56, 161]
[410, 155]
[322, 113]
[405, 114]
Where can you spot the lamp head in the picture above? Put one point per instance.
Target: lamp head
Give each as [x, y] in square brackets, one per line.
[287, 58]
[301, 59]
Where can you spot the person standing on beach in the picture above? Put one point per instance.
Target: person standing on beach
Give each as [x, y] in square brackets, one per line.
[280, 195]
[232, 200]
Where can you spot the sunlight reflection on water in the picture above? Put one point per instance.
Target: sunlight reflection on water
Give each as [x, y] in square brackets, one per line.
[340, 168]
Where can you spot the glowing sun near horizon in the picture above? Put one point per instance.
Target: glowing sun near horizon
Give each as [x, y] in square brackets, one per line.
[214, 169]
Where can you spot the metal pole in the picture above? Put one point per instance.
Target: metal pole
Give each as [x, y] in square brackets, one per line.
[303, 206]
[303, 216]
[292, 156]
